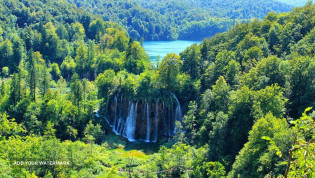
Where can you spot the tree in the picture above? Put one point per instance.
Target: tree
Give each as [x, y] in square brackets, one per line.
[240, 119]
[68, 67]
[218, 136]
[266, 73]
[215, 170]
[49, 42]
[5, 72]
[190, 122]
[81, 60]
[63, 50]
[273, 38]
[105, 83]
[191, 58]
[45, 81]
[221, 95]
[120, 41]
[76, 90]
[77, 32]
[96, 29]
[49, 132]
[301, 77]
[9, 127]
[271, 100]
[301, 155]
[168, 71]
[258, 158]
[16, 89]
[224, 65]
[232, 72]
[32, 62]
[55, 71]
[18, 53]
[136, 58]
[94, 131]
[6, 53]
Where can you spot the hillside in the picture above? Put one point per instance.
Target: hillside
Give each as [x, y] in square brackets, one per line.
[179, 19]
[297, 3]
[77, 93]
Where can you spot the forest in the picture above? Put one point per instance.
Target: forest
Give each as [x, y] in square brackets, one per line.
[298, 3]
[179, 19]
[240, 104]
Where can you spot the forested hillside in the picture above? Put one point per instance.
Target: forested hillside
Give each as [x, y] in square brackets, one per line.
[297, 3]
[245, 96]
[249, 76]
[50, 53]
[179, 19]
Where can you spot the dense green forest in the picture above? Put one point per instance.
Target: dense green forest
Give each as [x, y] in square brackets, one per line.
[295, 2]
[179, 19]
[246, 96]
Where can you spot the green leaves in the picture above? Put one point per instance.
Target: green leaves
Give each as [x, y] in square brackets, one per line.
[302, 156]
[9, 127]
[168, 70]
[93, 132]
[268, 138]
[273, 145]
[215, 170]
[189, 122]
[49, 132]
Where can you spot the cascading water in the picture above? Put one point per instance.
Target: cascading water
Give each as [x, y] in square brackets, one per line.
[178, 111]
[118, 122]
[114, 125]
[148, 125]
[164, 120]
[156, 121]
[130, 127]
[140, 120]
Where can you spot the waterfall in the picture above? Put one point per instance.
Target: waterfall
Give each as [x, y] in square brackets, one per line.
[116, 129]
[115, 120]
[142, 123]
[178, 111]
[118, 122]
[148, 124]
[169, 117]
[164, 119]
[156, 121]
[130, 127]
[107, 106]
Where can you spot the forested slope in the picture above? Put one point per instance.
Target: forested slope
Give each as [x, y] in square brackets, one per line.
[242, 93]
[263, 69]
[179, 19]
[297, 3]
[50, 53]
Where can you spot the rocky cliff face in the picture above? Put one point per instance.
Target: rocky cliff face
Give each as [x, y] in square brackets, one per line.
[143, 120]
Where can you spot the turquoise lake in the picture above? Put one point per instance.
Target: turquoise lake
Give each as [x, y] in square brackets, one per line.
[161, 48]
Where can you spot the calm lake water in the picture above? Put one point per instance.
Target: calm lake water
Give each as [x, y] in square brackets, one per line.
[161, 48]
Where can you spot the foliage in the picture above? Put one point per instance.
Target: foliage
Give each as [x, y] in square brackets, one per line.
[178, 19]
[257, 158]
[60, 64]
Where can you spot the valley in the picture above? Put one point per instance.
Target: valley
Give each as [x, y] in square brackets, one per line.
[180, 88]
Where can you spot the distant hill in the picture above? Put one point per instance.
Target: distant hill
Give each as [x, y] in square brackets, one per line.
[179, 19]
[297, 3]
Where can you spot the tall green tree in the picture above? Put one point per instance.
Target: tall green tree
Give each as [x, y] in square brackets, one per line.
[77, 90]
[168, 70]
[191, 58]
